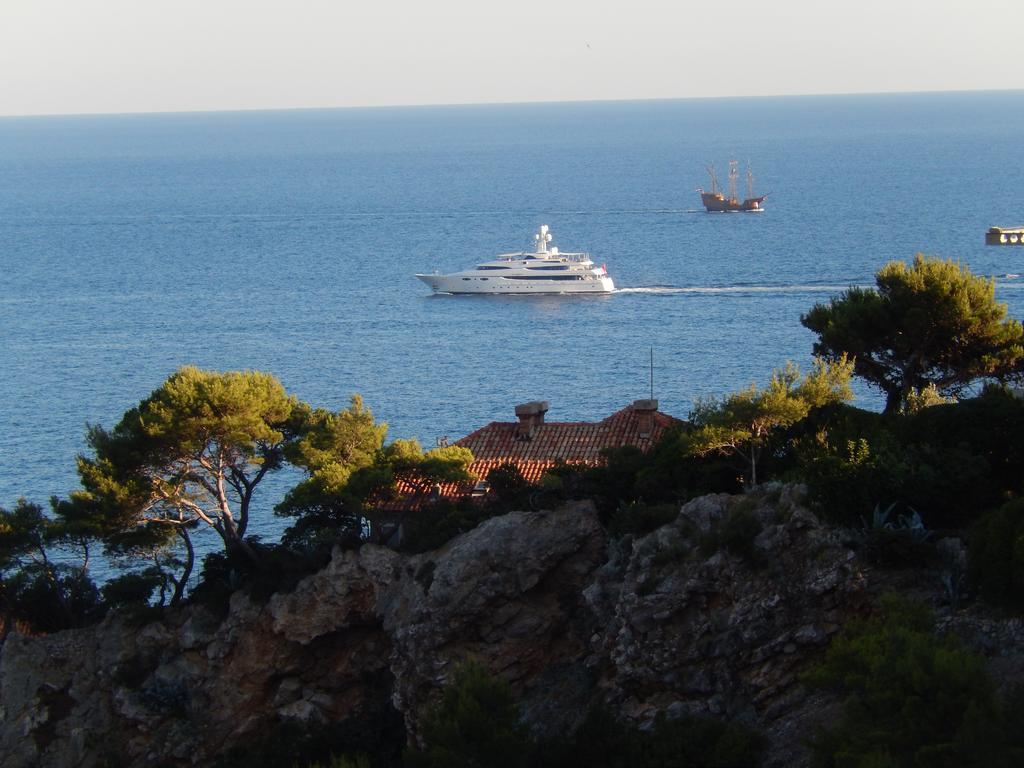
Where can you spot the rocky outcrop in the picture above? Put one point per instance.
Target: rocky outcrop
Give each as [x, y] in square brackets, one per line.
[690, 632]
[369, 637]
[665, 622]
[506, 594]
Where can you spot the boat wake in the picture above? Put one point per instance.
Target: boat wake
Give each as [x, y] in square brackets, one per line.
[671, 290]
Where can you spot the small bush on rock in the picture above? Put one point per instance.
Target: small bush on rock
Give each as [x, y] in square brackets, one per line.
[911, 698]
[953, 462]
[638, 518]
[996, 555]
[360, 761]
[441, 522]
[688, 742]
[474, 725]
[896, 541]
[736, 533]
[509, 486]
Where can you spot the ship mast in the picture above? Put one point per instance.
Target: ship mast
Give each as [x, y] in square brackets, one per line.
[542, 238]
[714, 179]
[750, 182]
[733, 173]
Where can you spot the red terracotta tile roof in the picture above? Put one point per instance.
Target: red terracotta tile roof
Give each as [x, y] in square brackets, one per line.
[549, 444]
[571, 442]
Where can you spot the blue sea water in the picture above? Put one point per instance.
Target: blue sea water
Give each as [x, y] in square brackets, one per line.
[287, 242]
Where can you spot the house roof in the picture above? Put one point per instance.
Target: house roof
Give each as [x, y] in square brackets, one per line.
[568, 441]
[538, 448]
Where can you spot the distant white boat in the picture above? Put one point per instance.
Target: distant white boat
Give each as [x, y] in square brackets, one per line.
[545, 270]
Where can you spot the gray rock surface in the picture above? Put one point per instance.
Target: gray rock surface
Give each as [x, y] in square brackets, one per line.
[642, 625]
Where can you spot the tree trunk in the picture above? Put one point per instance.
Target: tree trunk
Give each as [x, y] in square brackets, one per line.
[243, 512]
[8, 620]
[893, 401]
[53, 577]
[190, 559]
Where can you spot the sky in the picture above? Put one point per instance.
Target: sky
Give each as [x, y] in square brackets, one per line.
[103, 56]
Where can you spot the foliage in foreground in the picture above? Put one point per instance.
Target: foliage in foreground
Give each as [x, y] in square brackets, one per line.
[745, 422]
[932, 323]
[36, 589]
[476, 725]
[950, 462]
[191, 455]
[372, 739]
[349, 471]
[688, 742]
[639, 519]
[996, 561]
[912, 699]
[437, 524]
[736, 533]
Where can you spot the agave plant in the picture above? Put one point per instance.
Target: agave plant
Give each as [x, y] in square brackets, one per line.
[894, 541]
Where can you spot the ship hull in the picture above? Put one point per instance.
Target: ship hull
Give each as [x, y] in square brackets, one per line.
[461, 283]
[718, 203]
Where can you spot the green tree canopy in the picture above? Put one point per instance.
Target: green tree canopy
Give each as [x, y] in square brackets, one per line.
[339, 452]
[48, 593]
[743, 422]
[930, 323]
[347, 465]
[190, 454]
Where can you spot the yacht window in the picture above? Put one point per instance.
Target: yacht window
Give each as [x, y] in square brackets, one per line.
[542, 277]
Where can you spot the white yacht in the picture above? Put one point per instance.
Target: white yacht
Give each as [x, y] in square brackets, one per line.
[545, 270]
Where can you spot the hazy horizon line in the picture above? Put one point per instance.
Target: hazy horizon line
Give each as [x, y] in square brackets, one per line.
[427, 105]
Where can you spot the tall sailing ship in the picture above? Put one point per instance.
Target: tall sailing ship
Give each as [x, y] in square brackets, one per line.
[716, 202]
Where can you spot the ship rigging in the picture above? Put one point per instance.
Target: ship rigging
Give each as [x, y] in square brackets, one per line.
[716, 202]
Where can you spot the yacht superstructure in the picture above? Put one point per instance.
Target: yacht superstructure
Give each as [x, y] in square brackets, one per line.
[545, 270]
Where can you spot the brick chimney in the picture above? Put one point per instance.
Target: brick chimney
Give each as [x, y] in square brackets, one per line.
[645, 410]
[531, 416]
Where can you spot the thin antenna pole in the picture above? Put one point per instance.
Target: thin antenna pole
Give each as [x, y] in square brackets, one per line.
[652, 373]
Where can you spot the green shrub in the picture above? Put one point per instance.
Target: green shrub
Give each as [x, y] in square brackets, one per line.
[51, 599]
[439, 523]
[674, 553]
[700, 742]
[736, 533]
[475, 725]
[277, 569]
[359, 761]
[508, 484]
[638, 518]
[896, 540]
[953, 462]
[996, 555]
[910, 698]
[688, 742]
[844, 481]
[663, 475]
[131, 589]
[374, 738]
[990, 429]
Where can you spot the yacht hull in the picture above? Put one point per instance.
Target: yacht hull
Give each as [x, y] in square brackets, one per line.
[500, 285]
[543, 271]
